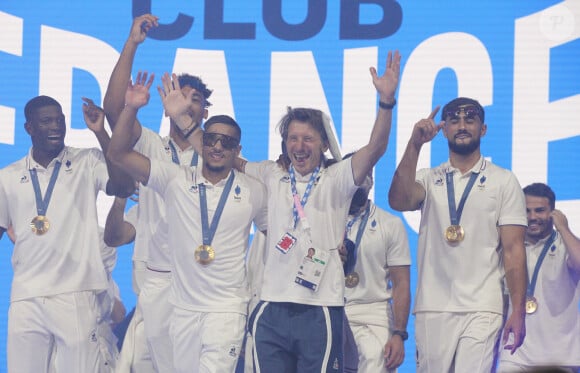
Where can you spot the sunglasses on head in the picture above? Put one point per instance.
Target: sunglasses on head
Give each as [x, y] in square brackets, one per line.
[470, 112]
[228, 142]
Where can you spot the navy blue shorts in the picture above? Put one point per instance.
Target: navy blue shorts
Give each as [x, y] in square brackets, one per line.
[291, 337]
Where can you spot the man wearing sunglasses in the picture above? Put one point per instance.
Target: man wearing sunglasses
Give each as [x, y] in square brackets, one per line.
[473, 220]
[151, 350]
[210, 210]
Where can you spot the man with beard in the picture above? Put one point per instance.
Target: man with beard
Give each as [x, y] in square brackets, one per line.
[553, 319]
[377, 284]
[472, 220]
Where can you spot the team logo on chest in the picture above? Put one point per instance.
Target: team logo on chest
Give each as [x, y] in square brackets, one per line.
[237, 193]
[193, 188]
[24, 179]
[481, 184]
[68, 168]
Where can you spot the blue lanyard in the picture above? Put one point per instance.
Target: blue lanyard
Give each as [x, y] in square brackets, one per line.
[532, 284]
[306, 192]
[209, 231]
[455, 214]
[349, 265]
[175, 158]
[42, 203]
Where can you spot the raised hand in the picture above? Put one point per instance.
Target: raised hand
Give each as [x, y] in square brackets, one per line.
[137, 94]
[175, 103]
[426, 129]
[141, 25]
[94, 115]
[387, 84]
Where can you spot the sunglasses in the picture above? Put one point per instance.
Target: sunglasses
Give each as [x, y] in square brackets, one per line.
[211, 138]
[469, 112]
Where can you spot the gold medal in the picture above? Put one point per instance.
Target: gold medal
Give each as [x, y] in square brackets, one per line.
[204, 254]
[454, 233]
[39, 225]
[351, 280]
[531, 305]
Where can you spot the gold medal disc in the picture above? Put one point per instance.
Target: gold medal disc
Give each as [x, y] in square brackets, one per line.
[351, 280]
[204, 254]
[454, 233]
[39, 225]
[531, 305]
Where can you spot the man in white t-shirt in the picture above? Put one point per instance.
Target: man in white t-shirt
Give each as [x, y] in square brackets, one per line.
[297, 327]
[210, 210]
[152, 256]
[553, 294]
[459, 306]
[49, 199]
[377, 281]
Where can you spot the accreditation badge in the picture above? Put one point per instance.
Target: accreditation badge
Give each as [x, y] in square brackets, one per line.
[204, 254]
[312, 268]
[39, 225]
[454, 234]
[286, 243]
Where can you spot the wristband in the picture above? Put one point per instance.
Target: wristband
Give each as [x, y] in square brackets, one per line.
[401, 333]
[384, 105]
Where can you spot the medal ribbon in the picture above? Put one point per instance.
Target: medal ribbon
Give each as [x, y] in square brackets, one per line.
[209, 231]
[532, 284]
[455, 214]
[175, 158]
[298, 208]
[349, 265]
[42, 203]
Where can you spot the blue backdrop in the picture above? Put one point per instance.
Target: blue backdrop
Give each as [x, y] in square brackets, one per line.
[520, 59]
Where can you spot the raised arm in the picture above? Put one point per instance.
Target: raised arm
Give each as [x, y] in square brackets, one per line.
[571, 242]
[118, 232]
[121, 151]
[365, 158]
[514, 259]
[120, 183]
[114, 99]
[405, 193]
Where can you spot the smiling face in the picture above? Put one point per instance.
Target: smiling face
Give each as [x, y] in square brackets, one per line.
[47, 129]
[304, 146]
[221, 147]
[539, 212]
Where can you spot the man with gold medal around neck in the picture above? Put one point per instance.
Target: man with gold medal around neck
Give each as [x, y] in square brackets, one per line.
[471, 235]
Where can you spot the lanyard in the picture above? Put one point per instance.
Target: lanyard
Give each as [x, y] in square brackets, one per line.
[42, 203]
[532, 284]
[175, 158]
[298, 207]
[350, 264]
[209, 231]
[455, 213]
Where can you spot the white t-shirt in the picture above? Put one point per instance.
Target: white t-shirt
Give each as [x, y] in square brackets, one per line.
[553, 331]
[220, 286]
[467, 276]
[67, 258]
[383, 244]
[151, 241]
[326, 211]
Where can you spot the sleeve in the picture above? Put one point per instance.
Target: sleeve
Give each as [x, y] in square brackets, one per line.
[261, 217]
[131, 215]
[4, 214]
[512, 209]
[259, 170]
[161, 174]
[100, 173]
[398, 252]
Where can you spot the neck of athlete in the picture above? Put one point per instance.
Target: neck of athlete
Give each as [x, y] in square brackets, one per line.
[464, 162]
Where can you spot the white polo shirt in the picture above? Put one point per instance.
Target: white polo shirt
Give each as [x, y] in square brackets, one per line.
[553, 331]
[383, 244]
[220, 286]
[326, 211]
[67, 258]
[151, 241]
[467, 276]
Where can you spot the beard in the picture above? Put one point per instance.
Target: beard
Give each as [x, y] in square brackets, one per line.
[464, 149]
[214, 169]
